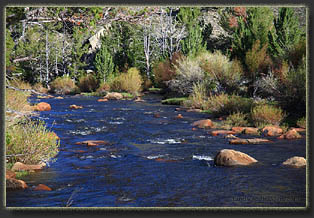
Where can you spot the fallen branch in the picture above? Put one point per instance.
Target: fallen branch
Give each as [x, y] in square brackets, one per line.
[26, 90]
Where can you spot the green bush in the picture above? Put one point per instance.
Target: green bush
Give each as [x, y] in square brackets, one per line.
[237, 119]
[174, 101]
[63, 85]
[87, 83]
[263, 115]
[224, 104]
[30, 142]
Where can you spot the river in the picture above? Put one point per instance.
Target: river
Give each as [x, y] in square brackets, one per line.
[154, 161]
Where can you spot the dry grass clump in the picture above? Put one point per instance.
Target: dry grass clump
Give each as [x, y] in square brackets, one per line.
[130, 82]
[63, 86]
[39, 88]
[87, 83]
[30, 142]
[263, 115]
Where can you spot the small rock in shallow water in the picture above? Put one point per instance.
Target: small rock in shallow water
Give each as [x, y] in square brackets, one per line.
[73, 106]
[15, 184]
[93, 142]
[203, 123]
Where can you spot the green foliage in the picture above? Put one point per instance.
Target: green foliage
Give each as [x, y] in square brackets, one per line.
[287, 33]
[255, 26]
[263, 115]
[87, 83]
[77, 65]
[103, 63]
[193, 43]
[199, 96]
[301, 122]
[9, 45]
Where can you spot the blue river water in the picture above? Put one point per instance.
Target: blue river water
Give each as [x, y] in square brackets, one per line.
[154, 161]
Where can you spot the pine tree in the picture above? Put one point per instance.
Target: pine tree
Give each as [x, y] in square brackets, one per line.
[103, 62]
[287, 33]
[193, 43]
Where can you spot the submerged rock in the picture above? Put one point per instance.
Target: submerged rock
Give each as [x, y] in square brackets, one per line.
[42, 106]
[203, 123]
[113, 96]
[229, 157]
[73, 106]
[18, 166]
[42, 187]
[179, 116]
[102, 100]
[93, 143]
[248, 141]
[272, 131]
[222, 132]
[59, 97]
[295, 162]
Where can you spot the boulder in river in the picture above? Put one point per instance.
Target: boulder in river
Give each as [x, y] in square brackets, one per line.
[42, 106]
[102, 100]
[179, 116]
[203, 123]
[10, 174]
[229, 157]
[272, 131]
[295, 162]
[18, 166]
[59, 97]
[245, 130]
[114, 96]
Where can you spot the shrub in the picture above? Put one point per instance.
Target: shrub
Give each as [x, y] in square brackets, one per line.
[224, 104]
[39, 88]
[188, 72]
[199, 96]
[130, 82]
[30, 142]
[103, 88]
[87, 83]
[219, 69]
[256, 60]
[301, 122]
[63, 85]
[265, 114]
[237, 119]
[165, 70]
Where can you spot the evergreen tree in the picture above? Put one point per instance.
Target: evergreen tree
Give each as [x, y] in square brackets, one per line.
[103, 62]
[193, 43]
[287, 33]
[256, 26]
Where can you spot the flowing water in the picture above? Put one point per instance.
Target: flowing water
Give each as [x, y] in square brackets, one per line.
[154, 162]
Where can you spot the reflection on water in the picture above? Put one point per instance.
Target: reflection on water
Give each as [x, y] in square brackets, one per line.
[154, 162]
